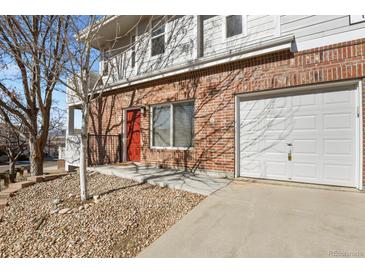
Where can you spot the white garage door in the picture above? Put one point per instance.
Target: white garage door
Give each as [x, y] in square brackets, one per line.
[306, 138]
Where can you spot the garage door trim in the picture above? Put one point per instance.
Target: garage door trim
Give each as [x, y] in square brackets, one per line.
[309, 89]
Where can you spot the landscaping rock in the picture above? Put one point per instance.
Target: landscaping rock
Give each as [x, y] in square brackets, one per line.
[64, 211]
[54, 211]
[129, 218]
[56, 201]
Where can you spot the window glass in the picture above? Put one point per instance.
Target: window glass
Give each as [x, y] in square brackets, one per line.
[158, 37]
[161, 126]
[158, 45]
[233, 25]
[133, 57]
[158, 27]
[183, 124]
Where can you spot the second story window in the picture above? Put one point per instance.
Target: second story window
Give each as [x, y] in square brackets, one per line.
[133, 48]
[157, 37]
[105, 67]
[234, 25]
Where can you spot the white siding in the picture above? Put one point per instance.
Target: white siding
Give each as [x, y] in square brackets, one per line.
[181, 48]
[316, 26]
[179, 45]
[258, 28]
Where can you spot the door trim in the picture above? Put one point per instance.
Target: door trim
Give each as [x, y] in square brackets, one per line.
[308, 89]
[124, 132]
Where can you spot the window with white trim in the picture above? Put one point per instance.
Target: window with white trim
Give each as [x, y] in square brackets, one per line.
[173, 125]
[157, 37]
[234, 25]
[133, 51]
[354, 19]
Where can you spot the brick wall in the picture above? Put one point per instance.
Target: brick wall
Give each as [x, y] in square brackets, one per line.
[214, 89]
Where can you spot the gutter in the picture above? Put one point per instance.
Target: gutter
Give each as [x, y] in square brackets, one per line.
[257, 49]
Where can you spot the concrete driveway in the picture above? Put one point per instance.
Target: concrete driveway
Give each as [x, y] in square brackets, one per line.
[262, 220]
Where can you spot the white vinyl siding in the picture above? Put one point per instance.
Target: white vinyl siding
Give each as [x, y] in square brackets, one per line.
[181, 45]
[316, 26]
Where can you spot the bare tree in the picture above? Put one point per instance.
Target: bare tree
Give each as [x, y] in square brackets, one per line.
[14, 145]
[33, 47]
[82, 84]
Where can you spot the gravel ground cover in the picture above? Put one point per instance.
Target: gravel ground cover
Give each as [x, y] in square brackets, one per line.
[49, 220]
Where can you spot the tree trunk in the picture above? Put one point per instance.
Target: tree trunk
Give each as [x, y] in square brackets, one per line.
[12, 173]
[83, 154]
[35, 157]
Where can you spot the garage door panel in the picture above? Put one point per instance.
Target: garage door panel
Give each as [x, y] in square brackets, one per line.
[309, 100]
[321, 127]
[276, 169]
[305, 171]
[251, 168]
[337, 121]
[276, 147]
[305, 147]
[338, 97]
[305, 122]
[338, 174]
[338, 147]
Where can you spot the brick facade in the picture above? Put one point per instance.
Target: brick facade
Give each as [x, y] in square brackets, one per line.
[214, 89]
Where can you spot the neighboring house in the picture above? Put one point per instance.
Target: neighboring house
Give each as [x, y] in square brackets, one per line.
[54, 142]
[273, 97]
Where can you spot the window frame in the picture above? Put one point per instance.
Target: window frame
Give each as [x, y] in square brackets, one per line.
[244, 28]
[171, 146]
[356, 19]
[133, 51]
[134, 48]
[164, 22]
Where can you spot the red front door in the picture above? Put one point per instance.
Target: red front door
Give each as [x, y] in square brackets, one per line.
[134, 135]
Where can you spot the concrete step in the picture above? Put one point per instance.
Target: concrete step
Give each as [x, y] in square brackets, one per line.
[21, 185]
[5, 195]
[10, 191]
[47, 177]
[3, 203]
[50, 177]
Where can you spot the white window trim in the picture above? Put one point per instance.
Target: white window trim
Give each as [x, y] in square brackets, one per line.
[171, 147]
[224, 30]
[356, 19]
[150, 38]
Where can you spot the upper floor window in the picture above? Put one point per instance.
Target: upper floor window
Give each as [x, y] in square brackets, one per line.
[133, 49]
[105, 68]
[354, 19]
[234, 25]
[158, 37]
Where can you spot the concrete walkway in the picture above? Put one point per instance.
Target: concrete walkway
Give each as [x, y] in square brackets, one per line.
[197, 183]
[262, 220]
